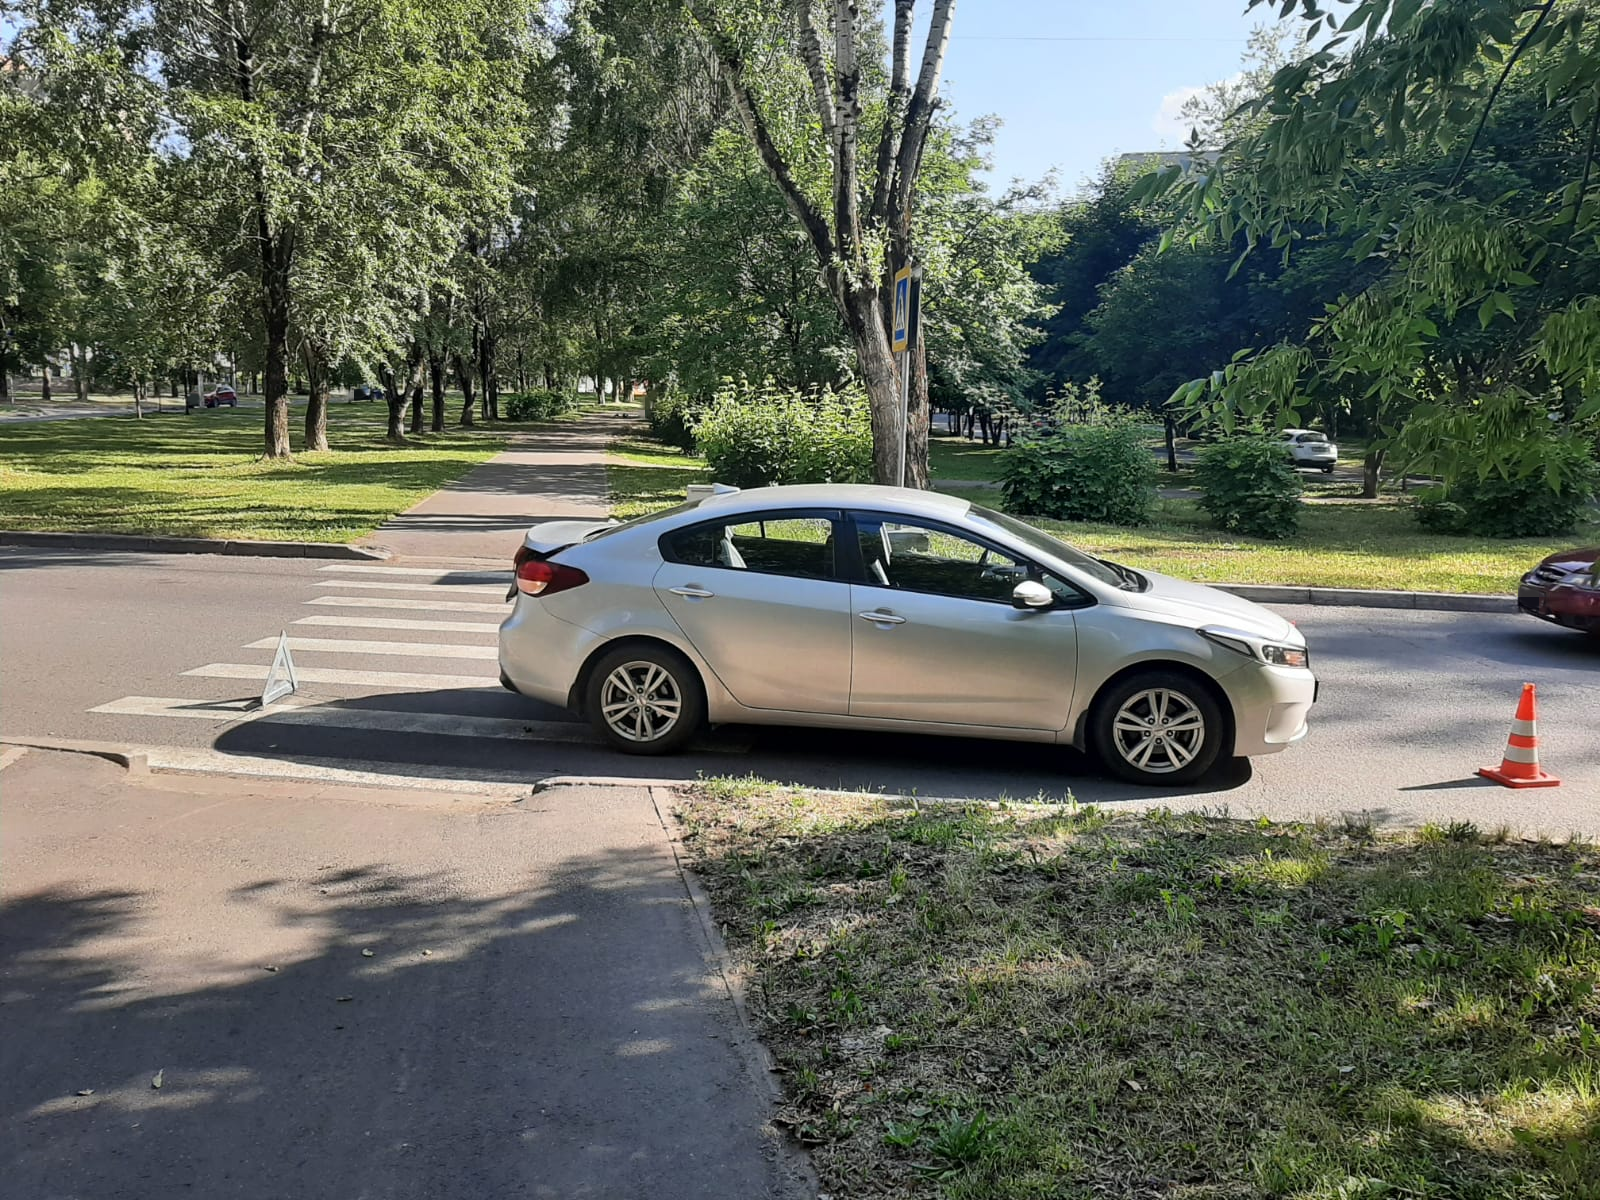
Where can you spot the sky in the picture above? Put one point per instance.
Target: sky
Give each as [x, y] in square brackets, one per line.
[1075, 82]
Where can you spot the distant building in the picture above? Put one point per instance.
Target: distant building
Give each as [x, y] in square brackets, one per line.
[1146, 160]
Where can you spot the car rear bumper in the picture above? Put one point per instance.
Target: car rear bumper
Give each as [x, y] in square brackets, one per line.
[540, 654]
[1271, 707]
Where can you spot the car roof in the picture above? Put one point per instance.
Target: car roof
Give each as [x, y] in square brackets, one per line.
[909, 501]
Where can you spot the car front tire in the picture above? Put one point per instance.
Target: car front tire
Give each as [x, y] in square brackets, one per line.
[1158, 727]
[645, 700]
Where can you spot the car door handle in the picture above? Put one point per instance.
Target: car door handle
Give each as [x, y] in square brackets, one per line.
[694, 593]
[882, 618]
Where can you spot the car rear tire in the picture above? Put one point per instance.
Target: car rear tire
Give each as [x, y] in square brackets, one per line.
[645, 700]
[1158, 727]
[1327, 470]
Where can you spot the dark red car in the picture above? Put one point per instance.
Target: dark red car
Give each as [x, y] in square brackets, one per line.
[221, 396]
[1565, 589]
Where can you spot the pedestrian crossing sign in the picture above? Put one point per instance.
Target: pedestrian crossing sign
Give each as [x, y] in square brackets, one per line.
[901, 334]
[281, 679]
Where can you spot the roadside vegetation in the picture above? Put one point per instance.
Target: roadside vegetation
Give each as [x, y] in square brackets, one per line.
[1062, 1002]
[1358, 544]
[202, 475]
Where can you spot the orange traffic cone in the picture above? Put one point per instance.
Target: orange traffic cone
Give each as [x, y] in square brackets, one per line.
[1520, 767]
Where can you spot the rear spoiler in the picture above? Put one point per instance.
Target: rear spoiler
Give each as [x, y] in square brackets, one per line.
[548, 537]
[699, 493]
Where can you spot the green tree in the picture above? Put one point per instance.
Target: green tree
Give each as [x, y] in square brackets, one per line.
[806, 109]
[1449, 151]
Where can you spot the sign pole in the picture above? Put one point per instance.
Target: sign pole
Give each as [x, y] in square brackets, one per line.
[904, 359]
[900, 343]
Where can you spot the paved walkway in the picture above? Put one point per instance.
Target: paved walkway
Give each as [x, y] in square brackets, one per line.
[258, 989]
[552, 474]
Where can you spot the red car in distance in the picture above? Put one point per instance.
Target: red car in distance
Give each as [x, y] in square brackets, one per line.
[1564, 589]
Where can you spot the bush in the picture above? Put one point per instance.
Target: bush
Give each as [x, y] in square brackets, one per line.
[671, 420]
[542, 405]
[1510, 508]
[1102, 472]
[759, 436]
[1249, 485]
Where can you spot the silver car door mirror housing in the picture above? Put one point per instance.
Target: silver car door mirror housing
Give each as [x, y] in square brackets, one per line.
[1032, 594]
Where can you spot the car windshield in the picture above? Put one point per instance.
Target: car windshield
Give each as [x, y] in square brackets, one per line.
[1038, 539]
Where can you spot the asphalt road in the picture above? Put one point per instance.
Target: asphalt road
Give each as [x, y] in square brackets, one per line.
[399, 682]
[213, 987]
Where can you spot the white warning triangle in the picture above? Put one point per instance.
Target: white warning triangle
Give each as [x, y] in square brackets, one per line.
[281, 679]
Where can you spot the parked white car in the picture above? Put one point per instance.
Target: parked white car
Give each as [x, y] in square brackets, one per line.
[858, 607]
[1311, 449]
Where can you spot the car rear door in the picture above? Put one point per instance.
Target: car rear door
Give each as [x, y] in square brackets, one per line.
[760, 598]
[938, 640]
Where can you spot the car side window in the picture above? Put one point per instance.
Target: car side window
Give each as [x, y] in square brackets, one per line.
[925, 558]
[797, 546]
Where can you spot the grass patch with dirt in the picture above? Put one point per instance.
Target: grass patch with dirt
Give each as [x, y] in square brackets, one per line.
[1068, 1003]
[202, 475]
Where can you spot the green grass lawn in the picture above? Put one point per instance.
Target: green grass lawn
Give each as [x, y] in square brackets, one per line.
[1062, 1002]
[1368, 544]
[1371, 544]
[201, 475]
[954, 457]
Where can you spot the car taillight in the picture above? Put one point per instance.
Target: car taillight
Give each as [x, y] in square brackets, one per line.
[536, 577]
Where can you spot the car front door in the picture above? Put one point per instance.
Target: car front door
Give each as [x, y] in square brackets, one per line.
[760, 599]
[937, 638]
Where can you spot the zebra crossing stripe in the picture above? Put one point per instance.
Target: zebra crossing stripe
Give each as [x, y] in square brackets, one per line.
[399, 680]
[401, 623]
[412, 605]
[435, 573]
[405, 649]
[374, 585]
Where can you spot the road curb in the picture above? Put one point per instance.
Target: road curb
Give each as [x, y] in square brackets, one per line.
[1267, 593]
[133, 761]
[130, 543]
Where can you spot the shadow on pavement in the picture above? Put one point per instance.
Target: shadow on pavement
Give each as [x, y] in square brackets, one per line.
[521, 1040]
[972, 768]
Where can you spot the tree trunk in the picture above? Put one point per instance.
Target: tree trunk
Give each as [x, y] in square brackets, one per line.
[317, 402]
[1172, 444]
[5, 380]
[275, 310]
[522, 371]
[44, 387]
[549, 377]
[487, 375]
[1371, 469]
[80, 373]
[864, 318]
[464, 375]
[436, 378]
[416, 405]
[138, 396]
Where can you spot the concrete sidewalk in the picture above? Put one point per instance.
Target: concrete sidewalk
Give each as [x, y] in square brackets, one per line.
[255, 988]
[552, 474]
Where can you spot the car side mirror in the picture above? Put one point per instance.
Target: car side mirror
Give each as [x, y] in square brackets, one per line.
[1032, 594]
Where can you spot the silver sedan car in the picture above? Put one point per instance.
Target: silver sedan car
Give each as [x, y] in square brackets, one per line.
[863, 607]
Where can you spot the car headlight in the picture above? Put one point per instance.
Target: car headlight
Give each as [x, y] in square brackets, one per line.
[1273, 653]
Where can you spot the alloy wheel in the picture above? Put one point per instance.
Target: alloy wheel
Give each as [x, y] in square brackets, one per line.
[641, 701]
[1159, 731]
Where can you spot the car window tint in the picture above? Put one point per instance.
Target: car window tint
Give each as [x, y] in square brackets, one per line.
[798, 546]
[919, 558]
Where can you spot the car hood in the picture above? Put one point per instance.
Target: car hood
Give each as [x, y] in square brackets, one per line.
[1581, 559]
[549, 536]
[1201, 605]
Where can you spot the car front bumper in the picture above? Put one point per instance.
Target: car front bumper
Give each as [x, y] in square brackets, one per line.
[1271, 707]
